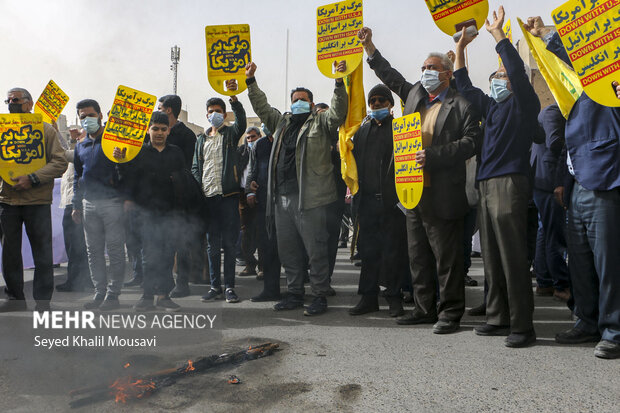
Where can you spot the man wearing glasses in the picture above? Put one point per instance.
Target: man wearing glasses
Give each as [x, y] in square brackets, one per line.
[26, 201]
[450, 135]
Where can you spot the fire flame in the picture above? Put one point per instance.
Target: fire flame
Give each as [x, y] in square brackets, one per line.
[190, 366]
[126, 365]
[126, 389]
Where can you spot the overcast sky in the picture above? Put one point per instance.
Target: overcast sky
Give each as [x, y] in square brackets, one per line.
[90, 47]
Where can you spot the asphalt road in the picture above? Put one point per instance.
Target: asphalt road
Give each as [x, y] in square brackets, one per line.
[334, 362]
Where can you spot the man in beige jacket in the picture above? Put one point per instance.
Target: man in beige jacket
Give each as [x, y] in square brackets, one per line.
[26, 202]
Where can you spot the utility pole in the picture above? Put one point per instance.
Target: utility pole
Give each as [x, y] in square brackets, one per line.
[175, 56]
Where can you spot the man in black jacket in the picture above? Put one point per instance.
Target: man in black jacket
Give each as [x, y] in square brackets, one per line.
[382, 224]
[450, 135]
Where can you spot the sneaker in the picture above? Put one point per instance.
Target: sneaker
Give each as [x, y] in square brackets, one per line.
[144, 304]
[607, 350]
[290, 302]
[231, 297]
[95, 303]
[213, 294]
[167, 304]
[318, 306]
[470, 282]
[110, 303]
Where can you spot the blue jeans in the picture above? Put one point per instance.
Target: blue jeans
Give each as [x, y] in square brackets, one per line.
[594, 259]
[223, 231]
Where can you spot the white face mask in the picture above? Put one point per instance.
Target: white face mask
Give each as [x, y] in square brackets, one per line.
[90, 124]
[216, 119]
[430, 80]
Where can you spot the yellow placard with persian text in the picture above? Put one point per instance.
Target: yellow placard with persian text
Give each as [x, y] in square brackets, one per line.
[337, 25]
[447, 14]
[590, 32]
[127, 124]
[228, 52]
[51, 102]
[508, 32]
[408, 175]
[22, 145]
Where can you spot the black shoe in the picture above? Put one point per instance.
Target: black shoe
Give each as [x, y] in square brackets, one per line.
[144, 304]
[475, 254]
[167, 304]
[415, 317]
[180, 291]
[492, 330]
[290, 302]
[446, 327]
[42, 305]
[357, 263]
[544, 291]
[576, 336]
[518, 340]
[95, 303]
[607, 350]
[13, 305]
[110, 303]
[263, 297]
[407, 297]
[65, 287]
[213, 294]
[331, 292]
[478, 311]
[368, 304]
[470, 282]
[134, 282]
[395, 306]
[318, 306]
[231, 296]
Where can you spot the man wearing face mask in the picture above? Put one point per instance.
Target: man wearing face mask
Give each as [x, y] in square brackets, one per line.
[383, 237]
[511, 123]
[450, 135]
[301, 185]
[26, 202]
[98, 204]
[216, 168]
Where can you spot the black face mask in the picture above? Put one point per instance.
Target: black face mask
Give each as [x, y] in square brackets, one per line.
[15, 108]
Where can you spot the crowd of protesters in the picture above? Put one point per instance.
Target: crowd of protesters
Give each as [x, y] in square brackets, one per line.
[275, 198]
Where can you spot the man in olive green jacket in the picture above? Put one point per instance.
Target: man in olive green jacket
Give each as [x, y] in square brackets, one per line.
[26, 202]
[301, 185]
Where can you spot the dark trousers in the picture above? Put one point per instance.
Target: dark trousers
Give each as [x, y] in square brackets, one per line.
[382, 247]
[78, 273]
[593, 237]
[268, 251]
[188, 233]
[38, 222]
[156, 230]
[133, 242]
[436, 260]
[334, 219]
[249, 233]
[469, 229]
[503, 235]
[223, 231]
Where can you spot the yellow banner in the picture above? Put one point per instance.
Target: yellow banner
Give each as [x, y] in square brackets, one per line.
[22, 145]
[409, 176]
[337, 25]
[127, 124]
[354, 84]
[590, 32]
[51, 102]
[561, 79]
[447, 14]
[228, 52]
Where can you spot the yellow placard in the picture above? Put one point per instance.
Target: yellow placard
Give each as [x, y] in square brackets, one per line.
[337, 25]
[228, 52]
[22, 145]
[447, 14]
[127, 124]
[51, 102]
[590, 32]
[508, 32]
[408, 175]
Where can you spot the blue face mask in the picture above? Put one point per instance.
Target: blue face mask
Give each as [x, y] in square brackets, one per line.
[216, 119]
[499, 90]
[300, 106]
[430, 80]
[379, 114]
[251, 144]
[90, 124]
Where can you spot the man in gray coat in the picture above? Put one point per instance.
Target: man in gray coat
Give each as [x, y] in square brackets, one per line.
[300, 186]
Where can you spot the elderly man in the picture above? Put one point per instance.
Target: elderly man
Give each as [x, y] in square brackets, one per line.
[26, 202]
[450, 135]
[301, 185]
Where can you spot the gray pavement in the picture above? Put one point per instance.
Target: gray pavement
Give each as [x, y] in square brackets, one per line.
[334, 362]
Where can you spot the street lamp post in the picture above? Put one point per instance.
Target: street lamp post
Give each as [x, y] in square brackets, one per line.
[175, 56]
